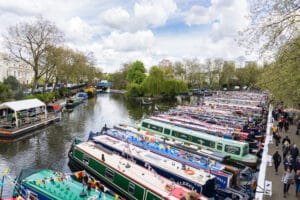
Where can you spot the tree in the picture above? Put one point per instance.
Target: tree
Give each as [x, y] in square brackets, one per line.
[227, 75]
[153, 84]
[179, 70]
[273, 22]
[12, 82]
[28, 42]
[282, 77]
[248, 75]
[119, 78]
[5, 93]
[136, 72]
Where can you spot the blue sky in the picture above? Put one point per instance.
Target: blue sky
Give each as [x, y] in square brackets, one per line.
[119, 31]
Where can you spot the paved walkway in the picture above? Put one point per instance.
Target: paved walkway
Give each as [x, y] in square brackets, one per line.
[277, 189]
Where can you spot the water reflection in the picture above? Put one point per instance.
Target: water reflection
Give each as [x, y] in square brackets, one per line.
[47, 148]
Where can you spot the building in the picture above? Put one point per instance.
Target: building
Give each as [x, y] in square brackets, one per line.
[22, 72]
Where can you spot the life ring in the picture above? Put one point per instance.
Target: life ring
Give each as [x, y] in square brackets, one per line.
[189, 172]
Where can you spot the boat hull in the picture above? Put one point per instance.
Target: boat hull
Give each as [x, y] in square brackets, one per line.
[8, 135]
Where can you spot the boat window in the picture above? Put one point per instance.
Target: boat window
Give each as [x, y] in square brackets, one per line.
[31, 195]
[245, 150]
[167, 131]
[232, 149]
[85, 159]
[156, 128]
[109, 174]
[220, 146]
[131, 188]
[204, 142]
[146, 125]
[180, 135]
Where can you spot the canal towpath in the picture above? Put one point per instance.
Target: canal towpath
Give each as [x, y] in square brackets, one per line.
[277, 185]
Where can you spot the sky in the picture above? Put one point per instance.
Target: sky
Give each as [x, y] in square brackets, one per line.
[123, 31]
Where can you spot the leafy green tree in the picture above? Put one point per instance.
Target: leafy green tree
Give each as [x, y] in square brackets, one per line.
[248, 75]
[153, 84]
[136, 72]
[12, 82]
[15, 86]
[227, 75]
[134, 90]
[282, 77]
[5, 93]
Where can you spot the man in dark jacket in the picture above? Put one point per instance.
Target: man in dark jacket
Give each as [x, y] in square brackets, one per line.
[294, 152]
[277, 161]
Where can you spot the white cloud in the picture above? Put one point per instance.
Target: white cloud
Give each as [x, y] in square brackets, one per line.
[78, 30]
[198, 15]
[226, 16]
[116, 17]
[127, 41]
[154, 12]
[122, 31]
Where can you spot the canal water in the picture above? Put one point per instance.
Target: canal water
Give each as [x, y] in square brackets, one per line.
[48, 147]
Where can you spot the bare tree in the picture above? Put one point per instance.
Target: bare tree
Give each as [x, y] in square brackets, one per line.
[28, 42]
[273, 22]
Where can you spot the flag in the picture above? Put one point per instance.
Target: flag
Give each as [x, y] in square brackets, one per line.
[1, 184]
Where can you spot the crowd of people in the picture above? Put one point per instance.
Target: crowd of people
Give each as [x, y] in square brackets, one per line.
[288, 154]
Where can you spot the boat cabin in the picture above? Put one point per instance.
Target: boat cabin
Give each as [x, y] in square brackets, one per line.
[19, 113]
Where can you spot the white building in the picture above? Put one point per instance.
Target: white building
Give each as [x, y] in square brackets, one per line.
[23, 73]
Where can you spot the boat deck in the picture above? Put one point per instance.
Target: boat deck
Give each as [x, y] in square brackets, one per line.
[60, 186]
[146, 177]
[198, 176]
[166, 149]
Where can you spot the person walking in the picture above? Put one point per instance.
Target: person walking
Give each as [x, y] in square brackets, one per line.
[274, 130]
[277, 138]
[287, 162]
[297, 181]
[286, 126]
[294, 152]
[287, 179]
[277, 161]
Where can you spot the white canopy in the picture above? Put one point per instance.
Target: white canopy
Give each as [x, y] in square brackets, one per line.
[22, 105]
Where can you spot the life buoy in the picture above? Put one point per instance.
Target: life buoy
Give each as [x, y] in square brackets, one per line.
[189, 172]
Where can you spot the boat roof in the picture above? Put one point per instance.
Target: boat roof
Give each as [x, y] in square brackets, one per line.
[189, 131]
[199, 176]
[58, 186]
[145, 177]
[22, 104]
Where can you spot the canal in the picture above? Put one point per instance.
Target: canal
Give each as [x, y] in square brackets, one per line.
[47, 148]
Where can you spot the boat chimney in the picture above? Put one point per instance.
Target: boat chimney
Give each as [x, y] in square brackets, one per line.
[102, 157]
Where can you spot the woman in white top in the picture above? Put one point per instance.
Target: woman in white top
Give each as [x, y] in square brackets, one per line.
[287, 179]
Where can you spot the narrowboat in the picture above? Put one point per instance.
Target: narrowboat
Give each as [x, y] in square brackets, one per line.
[82, 95]
[227, 176]
[73, 102]
[190, 123]
[125, 176]
[195, 179]
[238, 151]
[19, 118]
[216, 156]
[91, 91]
[45, 184]
[223, 179]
